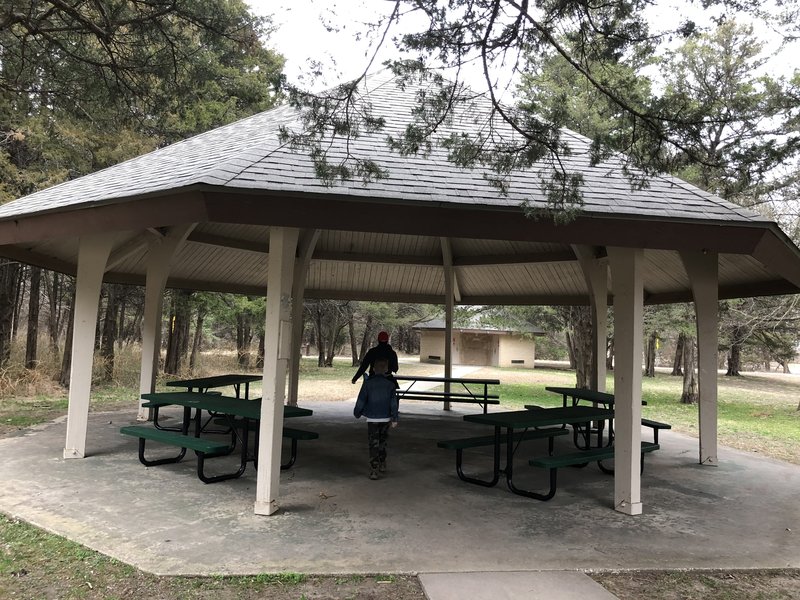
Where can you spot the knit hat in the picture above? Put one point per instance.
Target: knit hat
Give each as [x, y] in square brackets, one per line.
[383, 336]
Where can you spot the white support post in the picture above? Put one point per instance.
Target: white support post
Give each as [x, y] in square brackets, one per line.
[277, 349]
[703, 271]
[308, 242]
[160, 252]
[595, 271]
[448, 333]
[626, 275]
[93, 253]
[450, 293]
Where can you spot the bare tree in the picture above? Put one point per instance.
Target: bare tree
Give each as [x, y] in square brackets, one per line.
[690, 394]
[32, 338]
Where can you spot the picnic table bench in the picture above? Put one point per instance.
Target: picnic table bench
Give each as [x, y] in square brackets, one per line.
[655, 426]
[235, 410]
[578, 459]
[290, 433]
[547, 419]
[461, 444]
[481, 397]
[203, 447]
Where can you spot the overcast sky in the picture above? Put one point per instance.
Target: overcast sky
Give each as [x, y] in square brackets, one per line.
[334, 33]
[302, 35]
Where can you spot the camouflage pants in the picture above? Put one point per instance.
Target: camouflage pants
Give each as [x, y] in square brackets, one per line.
[377, 433]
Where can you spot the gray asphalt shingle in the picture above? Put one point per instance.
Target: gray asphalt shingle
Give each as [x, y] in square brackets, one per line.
[247, 155]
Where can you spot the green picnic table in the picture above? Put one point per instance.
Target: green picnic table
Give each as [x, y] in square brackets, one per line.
[524, 420]
[203, 384]
[238, 415]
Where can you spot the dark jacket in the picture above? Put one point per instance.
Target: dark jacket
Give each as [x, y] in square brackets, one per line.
[377, 399]
[382, 350]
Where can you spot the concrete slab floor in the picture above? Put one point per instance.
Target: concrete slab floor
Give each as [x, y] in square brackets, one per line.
[419, 518]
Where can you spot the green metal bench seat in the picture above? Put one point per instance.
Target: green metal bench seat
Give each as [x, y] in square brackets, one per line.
[288, 432]
[203, 447]
[579, 459]
[655, 426]
[460, 444]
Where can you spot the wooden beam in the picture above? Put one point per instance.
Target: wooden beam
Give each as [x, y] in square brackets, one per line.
[29, 257]
[779, 256]
[211, 239]
[451, 276]
[359, 257]
[777, 287]
[514, 259]
[332, 212]
[131, 246]
[128, 214]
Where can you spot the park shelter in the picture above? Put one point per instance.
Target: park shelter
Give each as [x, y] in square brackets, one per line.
[236, 210]
[478, 345]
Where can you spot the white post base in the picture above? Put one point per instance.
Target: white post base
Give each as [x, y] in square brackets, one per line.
[629, 508]
[266, 508]
[73, 453]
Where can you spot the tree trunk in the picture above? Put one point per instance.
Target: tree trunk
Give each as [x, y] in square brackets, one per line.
[353, 345]
[9, 280]
[178, 338]
[333, 335]
[20, 291]
[365, 341]
[198, 338]
[650, 358]
[610, 354]
[262, 348]
[317, 311]
[570, 350]
[32, 338]
[66, 357]
[689, 395]
[108, 337]
[53, 291]
[122, 305]
[244, 335]
[133, 329]
[582, 346]
[678, 360]
[735, 354]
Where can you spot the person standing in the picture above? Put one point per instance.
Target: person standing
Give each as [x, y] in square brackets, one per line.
[377, 401]
[382, 351]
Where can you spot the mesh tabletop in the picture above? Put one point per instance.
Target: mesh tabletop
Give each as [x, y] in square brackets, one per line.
[542, 417]
[214, 381]
[583, 394]
[228, 405]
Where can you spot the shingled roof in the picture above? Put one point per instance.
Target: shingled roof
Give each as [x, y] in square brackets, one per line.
[382, 241]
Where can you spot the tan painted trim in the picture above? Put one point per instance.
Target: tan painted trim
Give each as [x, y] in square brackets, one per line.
[125, 215]
[38, 260]
[437, 220]
[778, 257]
